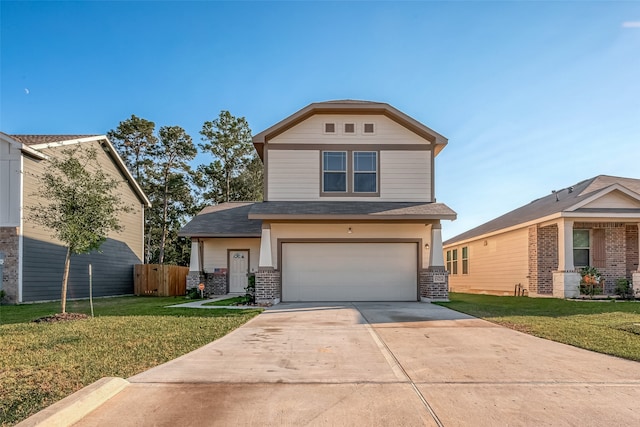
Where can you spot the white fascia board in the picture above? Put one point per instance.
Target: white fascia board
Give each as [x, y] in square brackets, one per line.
[25, 149]
[603, 192]
[505, 230]
[67, 142]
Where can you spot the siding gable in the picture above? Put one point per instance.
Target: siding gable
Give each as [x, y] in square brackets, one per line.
[614, 200]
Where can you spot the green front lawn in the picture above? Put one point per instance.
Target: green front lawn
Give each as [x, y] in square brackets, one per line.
[227, 302]
[42, 363]
[606, 327]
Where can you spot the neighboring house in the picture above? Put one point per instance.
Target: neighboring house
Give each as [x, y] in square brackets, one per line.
[349, 212]
[33, 261]
[543, 245]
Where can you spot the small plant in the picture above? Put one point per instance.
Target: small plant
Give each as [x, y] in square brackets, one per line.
[250, 295]
[193, 293]
[624, 288]
[2, 295]
[591, 282]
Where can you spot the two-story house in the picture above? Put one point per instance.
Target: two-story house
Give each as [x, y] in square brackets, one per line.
[31, 260]
[349, 212]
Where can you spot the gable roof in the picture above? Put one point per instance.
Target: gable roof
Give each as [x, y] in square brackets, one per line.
[349, 106]
[229, 219]
[34, 143]
[567, 200]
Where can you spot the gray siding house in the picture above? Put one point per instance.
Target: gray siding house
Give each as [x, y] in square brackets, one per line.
[32, 261]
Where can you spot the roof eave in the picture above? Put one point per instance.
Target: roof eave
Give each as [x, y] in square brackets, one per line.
[355, 217]
[218, 235]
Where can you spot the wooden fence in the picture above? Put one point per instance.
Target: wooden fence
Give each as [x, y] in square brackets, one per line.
[160, 280]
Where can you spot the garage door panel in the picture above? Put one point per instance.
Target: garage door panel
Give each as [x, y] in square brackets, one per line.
[349, 272]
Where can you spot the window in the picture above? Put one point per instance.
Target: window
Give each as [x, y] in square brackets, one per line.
[334, 171]
[369, 128]
[349, 128]
[454, 262]
[365, 172]
[449, 261]
[329, 128]
[465, 260]
[581, 245]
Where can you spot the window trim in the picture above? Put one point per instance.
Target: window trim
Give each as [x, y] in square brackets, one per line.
[345, 172]
[349, 192]
[354, 172]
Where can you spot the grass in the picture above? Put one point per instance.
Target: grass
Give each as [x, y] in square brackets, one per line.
[43, 363]
[606, 327]
[227, 302]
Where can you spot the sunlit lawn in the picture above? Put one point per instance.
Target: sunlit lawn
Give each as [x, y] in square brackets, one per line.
[42, 363]
[606, 327]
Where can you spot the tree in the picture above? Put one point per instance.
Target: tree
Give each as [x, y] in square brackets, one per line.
[81, 207]
[228, 138]
[134, 139]
[171, 179]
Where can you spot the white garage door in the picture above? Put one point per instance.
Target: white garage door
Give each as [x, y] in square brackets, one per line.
[349, 272]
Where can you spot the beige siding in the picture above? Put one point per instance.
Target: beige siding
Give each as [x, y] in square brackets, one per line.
[496, 264]
[9, 185]
[311, 131]
[294, 174]
[131, 235]
[215, 252]
[359, 231]
[613, 200]
[405, 176]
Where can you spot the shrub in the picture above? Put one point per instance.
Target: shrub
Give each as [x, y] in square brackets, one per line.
[624, 288]
[250, 295]
[591, 281]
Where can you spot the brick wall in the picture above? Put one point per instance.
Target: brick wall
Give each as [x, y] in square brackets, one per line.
[615, 248]
[215, 283]
[546, 258]
[9, 246]
[194, 278]
[268, 285]
[532, 259]
[631, 238]
[434, 284]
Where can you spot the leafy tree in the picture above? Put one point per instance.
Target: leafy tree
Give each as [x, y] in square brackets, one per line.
[81, 206]
[134, 140]
[228, 138]
[171, 179]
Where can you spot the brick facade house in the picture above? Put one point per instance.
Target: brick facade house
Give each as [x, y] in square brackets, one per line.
[349, 212]
[543, 246]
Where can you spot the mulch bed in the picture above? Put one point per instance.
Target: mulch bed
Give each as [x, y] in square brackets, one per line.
[61, 317]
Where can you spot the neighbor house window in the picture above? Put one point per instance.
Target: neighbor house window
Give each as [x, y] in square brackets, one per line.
[449, 261]
[454, 262]
[329, 128]
[465, 260]
[365, 172]
[581, 247]
[334, 171]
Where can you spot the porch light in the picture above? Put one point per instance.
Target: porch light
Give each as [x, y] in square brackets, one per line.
[426, 246]
[350, 230]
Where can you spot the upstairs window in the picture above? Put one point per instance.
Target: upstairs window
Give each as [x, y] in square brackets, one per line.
[334, 171]
[365, 172]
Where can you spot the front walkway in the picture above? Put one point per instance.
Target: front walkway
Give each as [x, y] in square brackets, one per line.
[378, 364]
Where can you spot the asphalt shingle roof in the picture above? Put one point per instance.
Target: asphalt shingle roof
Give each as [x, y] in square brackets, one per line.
[45, 139]
[549, 205]
[361, 210]
[223, 220]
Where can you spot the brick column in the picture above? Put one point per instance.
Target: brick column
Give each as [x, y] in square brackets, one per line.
[9, 242]
[216, 283]
[434, 284]
[635, 276]
[268, 286]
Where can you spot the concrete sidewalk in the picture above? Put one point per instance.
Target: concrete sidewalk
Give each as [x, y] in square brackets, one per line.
[378, 364]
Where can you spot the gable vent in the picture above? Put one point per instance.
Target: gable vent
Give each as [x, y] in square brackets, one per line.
[369, 128]
[349, 128]
[329, 128]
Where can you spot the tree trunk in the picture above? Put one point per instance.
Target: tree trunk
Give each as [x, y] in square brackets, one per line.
[163, 236]
[65, 277]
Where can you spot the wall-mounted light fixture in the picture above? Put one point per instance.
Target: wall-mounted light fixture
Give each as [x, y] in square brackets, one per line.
[426, 246]
[350, 230]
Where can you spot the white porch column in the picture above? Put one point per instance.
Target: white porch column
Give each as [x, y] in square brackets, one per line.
[565, 246]
[194, 263]
[566, 282]
[266, 260]
[436, 256]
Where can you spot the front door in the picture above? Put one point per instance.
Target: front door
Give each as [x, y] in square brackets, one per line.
[238, 271]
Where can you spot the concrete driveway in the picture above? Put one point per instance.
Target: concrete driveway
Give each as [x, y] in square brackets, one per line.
[378, 364]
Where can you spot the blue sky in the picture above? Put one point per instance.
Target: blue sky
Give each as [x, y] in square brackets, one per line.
[533, 96]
